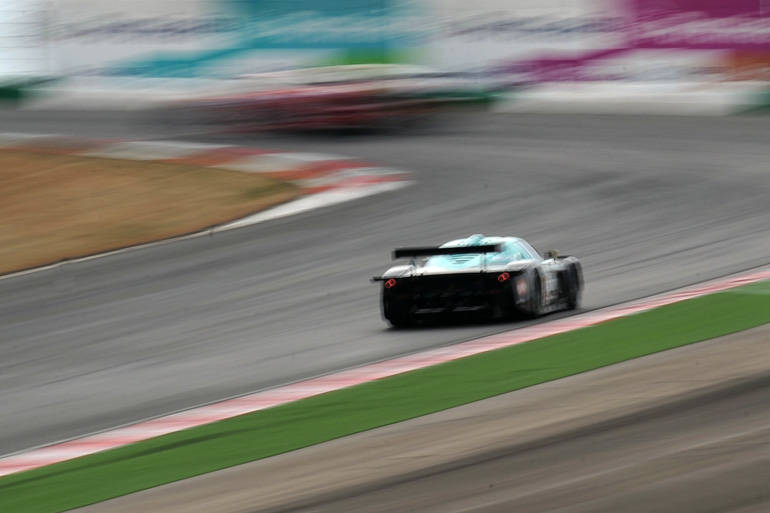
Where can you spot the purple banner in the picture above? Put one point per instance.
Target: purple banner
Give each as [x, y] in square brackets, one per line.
[704, 39]
[699, 24]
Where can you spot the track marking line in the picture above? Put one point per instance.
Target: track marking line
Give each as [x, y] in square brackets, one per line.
[150, 150]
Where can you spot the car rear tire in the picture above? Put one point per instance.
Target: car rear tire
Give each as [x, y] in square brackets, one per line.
[401, 321]
[573, 288]
[398, 317]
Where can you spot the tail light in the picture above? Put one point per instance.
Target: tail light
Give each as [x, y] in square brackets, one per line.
[503, 277]
[390, 283]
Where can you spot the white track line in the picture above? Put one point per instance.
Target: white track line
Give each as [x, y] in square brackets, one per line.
[314, 201]
[151, 150]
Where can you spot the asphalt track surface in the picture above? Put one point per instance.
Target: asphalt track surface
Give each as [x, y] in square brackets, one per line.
[648, 203]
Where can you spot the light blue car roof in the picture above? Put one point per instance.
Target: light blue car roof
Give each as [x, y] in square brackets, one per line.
[513, 249]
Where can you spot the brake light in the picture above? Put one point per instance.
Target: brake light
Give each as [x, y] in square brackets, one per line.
[504, 277]
[390, 283]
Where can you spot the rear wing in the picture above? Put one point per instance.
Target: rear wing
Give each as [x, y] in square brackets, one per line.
[434, 251]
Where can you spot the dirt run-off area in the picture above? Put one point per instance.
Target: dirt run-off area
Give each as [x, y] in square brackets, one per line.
[58, 207]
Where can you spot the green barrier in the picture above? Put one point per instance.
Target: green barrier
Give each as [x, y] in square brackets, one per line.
[11, 95]
[15, 92]
[761, 103]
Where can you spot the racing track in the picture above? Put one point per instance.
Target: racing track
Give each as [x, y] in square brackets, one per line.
[683, 431]
[648, 203]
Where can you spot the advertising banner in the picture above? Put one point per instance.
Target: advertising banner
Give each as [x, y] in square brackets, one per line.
[600, 40]
[526, 41]
[219, 38]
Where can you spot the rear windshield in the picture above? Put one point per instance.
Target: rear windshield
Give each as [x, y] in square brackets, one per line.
[511, 251]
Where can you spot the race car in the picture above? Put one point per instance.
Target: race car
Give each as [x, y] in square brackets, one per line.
[478, 277]
[328, 97]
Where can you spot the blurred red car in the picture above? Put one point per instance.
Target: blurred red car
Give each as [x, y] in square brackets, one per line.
[332, 97]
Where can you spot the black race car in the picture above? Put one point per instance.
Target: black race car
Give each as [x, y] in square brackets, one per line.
[479, 278]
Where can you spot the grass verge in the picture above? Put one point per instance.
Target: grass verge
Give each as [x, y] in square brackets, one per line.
[57, 207]
[250, 437]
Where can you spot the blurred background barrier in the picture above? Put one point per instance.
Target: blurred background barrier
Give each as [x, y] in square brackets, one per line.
[708, 55]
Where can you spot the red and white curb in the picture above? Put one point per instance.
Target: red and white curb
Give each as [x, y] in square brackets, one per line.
[325, 179]
[138, 432]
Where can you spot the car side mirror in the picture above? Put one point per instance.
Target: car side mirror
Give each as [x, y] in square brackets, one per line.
[551, 254]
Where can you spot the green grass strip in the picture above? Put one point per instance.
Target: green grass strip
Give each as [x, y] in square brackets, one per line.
[258, 435]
